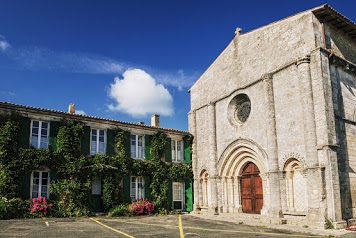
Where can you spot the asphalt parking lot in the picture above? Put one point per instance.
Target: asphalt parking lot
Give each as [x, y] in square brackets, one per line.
[154, 226]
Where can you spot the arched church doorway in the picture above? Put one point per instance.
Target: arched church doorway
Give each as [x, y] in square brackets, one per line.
[251, 189]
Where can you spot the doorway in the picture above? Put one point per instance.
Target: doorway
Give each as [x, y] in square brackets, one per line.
[251, 189]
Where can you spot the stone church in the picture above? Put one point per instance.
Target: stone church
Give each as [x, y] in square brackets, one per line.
[274, 123]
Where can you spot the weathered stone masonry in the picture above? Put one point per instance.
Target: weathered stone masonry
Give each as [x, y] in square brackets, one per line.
[274, 123]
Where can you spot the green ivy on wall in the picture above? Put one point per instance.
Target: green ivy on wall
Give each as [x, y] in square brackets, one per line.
[72, 171]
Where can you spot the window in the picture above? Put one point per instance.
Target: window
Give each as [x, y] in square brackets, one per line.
[137, 146]
[243, 108]
[97, 142]
[178, 195]
[39, 184]
[177, 150]
[39, 134]
[137, 188]
[96, 186]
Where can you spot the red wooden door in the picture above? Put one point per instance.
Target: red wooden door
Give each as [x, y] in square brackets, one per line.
[251, 189]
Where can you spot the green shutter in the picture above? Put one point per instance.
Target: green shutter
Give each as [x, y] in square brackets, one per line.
[53, 131]
[127, 144]
[86, 141]
[188, 195]
[25, 186]
[25, 130]
[187, 154]
[169, 150]
[170, 194]
[147, 147]
[147, 187]
[53, 176]
[127, 197]
[110, 142]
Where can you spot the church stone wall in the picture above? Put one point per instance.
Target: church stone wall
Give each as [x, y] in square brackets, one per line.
[289, 115]
[253, 129]
[303, 106]
[344, 95]
[270, 47]
[202, 137]
[340, 43]
[257, 53]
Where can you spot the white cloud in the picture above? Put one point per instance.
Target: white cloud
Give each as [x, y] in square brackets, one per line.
[80, 112]
[37, 58]
[178, 79]
[138, 94]
[43, 59]
[4, 45]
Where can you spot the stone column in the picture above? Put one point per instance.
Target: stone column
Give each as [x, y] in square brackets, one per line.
[273, 209]
[192, 130]
[197, 192]
[230, 183]
[283, 186]
[323, 76]
[238, 205]
[213, 176]
[306, 92]
[200, 195]
[224, 194]
[312, 170]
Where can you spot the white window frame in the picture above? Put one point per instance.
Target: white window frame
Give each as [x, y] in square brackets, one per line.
[97, 141]
[137, 136]
[40, 183]
[39, 133]
[181, 193]
[175, 152]
[139, 186]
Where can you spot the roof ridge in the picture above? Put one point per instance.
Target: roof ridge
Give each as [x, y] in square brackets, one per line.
[87, 116]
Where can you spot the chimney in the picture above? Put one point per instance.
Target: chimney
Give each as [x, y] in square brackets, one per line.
[155, 120]
[71, 108]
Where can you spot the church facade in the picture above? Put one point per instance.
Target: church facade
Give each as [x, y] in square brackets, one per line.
[274, 123]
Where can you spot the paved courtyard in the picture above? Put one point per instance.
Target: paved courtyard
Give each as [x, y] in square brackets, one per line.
[157, 226]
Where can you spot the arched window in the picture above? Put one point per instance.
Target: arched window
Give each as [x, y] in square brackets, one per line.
[296, 187]
[204, 180]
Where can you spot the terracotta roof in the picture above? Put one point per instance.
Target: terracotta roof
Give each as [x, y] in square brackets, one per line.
[328, 14]
[24, 108]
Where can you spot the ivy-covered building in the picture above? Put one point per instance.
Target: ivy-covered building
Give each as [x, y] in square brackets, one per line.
[113, 162]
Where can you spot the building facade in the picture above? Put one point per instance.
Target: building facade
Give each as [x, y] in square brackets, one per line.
[39, 128]
[274, 123]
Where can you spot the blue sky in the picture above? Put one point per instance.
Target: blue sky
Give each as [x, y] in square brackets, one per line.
[123, 59]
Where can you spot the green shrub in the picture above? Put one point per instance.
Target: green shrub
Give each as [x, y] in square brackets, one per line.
[121, 210]
[70, 197]
[14, 208]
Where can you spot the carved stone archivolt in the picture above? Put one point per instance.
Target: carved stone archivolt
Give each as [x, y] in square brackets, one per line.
[290, 156]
